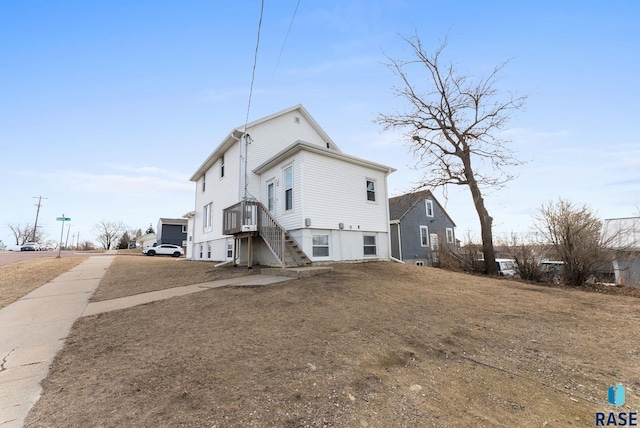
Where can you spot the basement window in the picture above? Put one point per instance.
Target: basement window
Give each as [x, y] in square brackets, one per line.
[320, 245]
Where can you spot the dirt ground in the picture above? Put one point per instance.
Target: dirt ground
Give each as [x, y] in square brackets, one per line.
[367, 345]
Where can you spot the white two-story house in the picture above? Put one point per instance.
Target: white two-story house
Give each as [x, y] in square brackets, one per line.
[281, 193]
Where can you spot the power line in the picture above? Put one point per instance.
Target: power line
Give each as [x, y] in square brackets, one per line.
[285, 41]
[255, 61]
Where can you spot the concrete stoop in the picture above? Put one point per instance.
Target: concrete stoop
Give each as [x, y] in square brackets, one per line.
[297, 272]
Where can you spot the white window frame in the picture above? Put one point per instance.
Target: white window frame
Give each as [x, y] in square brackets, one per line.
[209, 250]
[429, 207]
[286, 207]
[229, 249]
[207, 216]
[315, 245]
[449, 234]
[184, 228]
[424, 233]
[204, 182]
[271, 198]
[222, 166]
[374, 191]
[365, 245]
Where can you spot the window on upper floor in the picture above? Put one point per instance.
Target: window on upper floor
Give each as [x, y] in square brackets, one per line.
[371, 190]
[222, 166]
[288, 188]
[204, 182]
[429, 207]
[184, 228]
[207, 216]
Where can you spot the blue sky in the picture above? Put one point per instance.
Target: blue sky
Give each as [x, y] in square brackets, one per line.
[107, 108]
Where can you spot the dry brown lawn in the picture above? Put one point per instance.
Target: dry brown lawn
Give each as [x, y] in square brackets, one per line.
[367, 345]
[128, 276]
[19, 279]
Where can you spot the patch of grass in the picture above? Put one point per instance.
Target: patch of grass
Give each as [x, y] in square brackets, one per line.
[19, 279]
[128, 276]
[371, 344]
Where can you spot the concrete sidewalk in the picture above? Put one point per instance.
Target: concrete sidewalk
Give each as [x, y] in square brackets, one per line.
[33, 329]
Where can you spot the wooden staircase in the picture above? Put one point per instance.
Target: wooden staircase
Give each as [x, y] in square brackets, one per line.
[253, 216]
[293, 254]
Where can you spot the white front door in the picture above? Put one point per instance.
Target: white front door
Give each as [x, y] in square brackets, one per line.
[434, 241]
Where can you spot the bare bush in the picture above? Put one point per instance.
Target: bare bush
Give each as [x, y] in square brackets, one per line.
[574, 232]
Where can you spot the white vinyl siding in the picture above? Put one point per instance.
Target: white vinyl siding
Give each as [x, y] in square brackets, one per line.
[424, 236]
[346, 203]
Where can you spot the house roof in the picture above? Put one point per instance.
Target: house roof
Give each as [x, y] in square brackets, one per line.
[399, 206]
[237, 133]
[301, 145]
[622, 233]
[177, 221]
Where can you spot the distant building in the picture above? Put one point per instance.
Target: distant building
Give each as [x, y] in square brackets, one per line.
[172, 231]
[420, 228]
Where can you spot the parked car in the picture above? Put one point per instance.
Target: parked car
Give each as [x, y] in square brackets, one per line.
[506, 267]
[30, 246]
[552, 271]
[163, 250]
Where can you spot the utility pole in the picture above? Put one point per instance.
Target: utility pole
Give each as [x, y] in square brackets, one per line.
[66, 242]
[35, 226]
[78, 241]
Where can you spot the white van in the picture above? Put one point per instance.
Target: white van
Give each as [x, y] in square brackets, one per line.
[506, 267]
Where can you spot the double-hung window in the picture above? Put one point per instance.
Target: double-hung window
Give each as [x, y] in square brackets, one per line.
[371, 191]
[429, 207]
[207, 216]
[424, 236]
[449, 232]
[320, 245]
[271, 196]
[370, 248]
[288, 188]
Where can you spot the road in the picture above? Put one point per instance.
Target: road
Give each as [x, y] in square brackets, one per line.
[7, 257]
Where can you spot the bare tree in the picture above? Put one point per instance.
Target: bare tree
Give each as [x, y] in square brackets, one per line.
[25, 233]
[527, 255]
[451, 126]
[575, 234]
[108, 232]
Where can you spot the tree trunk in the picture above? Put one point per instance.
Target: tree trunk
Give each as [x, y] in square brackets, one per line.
[486, 222]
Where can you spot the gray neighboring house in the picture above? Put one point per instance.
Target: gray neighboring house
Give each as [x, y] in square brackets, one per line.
[623, 235]
[172, 231]
[420, 227]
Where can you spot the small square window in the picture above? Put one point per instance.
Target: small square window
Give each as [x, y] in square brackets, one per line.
[320, 245]
[371, 190]
[370, 248]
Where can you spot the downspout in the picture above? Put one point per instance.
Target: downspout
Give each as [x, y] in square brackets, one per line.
[388, 220]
